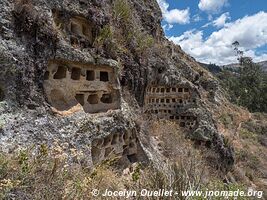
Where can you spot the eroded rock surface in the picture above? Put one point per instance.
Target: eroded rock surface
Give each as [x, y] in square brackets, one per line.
[66, 64]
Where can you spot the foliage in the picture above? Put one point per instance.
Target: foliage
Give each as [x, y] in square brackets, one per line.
[226, 119]
[104, 34]
[137, 172]
[144, 42]
[248, 86]
[129, 34]
[213, 68]
[122, 10]
[246, 134]
[46, 174]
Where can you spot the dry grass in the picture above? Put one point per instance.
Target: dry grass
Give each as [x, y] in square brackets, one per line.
[47, 174]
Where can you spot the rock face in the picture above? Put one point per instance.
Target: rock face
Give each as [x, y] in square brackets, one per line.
[94, 87]
[64, 68]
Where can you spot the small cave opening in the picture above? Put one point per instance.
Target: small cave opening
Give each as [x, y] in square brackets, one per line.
[85, 30]
[132, 158]
[180, 89]
[160, 70]
[80, 98]
[61, 72]
[93, 99]
[107, 140]
[46, 75]
[95, 153]
[106, 98]
[182, 124]
[74, 41]
[75, 73]
[58, 100]
[2, 94]
[132, 145]
[75, 28]
[115, 139]
[104, 76]
[208, 144]
[90, 75]
[126, 136]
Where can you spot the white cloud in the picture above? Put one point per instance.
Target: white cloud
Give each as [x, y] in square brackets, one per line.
[174, 16]
[167, 27]
[177, 16]
[220, 21]
[197, 18]
[212, 6]
[250, 31]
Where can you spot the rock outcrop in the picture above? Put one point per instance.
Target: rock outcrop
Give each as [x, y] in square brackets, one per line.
[67, 65]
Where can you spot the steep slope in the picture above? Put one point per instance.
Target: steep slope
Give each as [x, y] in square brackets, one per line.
[83, 74]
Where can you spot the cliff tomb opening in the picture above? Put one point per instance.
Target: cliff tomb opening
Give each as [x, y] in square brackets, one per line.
[93, 99]
[75, 73]
[104, 76]
[80, 98]
[61, 72]
[90, 75]
[46, 75]
[58, 100]
[69, 84]
[81, 27]
[106, 98]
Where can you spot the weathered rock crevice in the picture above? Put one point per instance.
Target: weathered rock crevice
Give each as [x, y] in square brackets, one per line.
[61, 52]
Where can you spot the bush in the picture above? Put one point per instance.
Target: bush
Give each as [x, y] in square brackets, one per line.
[122, 10]
[247, 86]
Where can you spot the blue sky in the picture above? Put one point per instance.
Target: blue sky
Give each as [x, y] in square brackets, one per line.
[205, 29]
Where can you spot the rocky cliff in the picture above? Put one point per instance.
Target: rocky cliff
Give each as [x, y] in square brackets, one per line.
[83, 73]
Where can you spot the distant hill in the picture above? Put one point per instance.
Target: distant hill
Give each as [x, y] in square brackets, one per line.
[263, 65]
[213, 68]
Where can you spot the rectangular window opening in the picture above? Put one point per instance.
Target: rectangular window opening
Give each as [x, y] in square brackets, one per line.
[90, 75]
[104, 76]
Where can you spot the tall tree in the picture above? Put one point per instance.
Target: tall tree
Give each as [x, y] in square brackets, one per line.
[247, 87]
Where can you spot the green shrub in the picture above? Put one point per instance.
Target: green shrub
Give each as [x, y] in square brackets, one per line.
[144, 42]
[246, 134]
[121, 10]
[226, 119]
[104, 34]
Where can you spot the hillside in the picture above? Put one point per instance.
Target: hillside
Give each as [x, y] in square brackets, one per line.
[213, 68]
[263, 65]
[93, 96]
